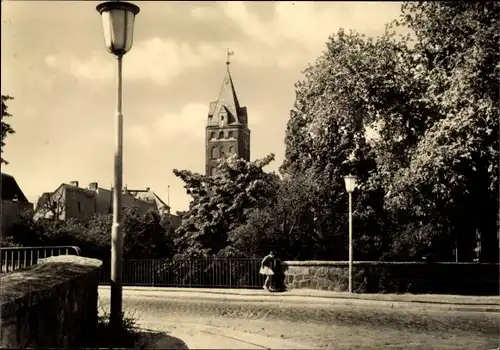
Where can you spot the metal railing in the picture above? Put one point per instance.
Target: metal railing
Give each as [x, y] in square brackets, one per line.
[14, 258]
[196, 273]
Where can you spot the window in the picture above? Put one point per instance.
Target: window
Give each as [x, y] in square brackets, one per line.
[213, 153]
[231, 135]
[231, 149]
[222, 151]
[212, 135]
[221, 135]
[79, 207]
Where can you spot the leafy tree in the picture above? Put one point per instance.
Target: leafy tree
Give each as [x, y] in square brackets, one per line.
[451, 178]
[430, 176]
[285, 223]
[181, 214]
[327, 135]
[221, 204]
[96, 238]
[145, 235]
[6, 127]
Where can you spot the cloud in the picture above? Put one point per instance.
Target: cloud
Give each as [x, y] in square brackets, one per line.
[190, 122]
[299, 30]
[294, 36]
[204, 13]
[157, 60]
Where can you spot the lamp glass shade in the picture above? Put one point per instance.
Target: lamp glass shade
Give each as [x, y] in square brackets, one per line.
[350, 183]
[118, 25]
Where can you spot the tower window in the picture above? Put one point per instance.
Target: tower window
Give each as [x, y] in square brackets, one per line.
[212, 135]
[222, 151]
[221, 118]
[213, 153]
[231, 149]
[221, 135]
[230, 135]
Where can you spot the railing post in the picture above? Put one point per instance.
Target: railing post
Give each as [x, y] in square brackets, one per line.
[153, 272]
[230, 273]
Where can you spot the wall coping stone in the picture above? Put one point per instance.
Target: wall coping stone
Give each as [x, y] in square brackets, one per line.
[28, 286]
[379, 263]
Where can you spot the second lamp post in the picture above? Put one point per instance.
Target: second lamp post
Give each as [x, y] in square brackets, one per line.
[350, 186]
[118, 24]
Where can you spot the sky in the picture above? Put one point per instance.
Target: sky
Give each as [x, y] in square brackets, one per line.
[55, 65]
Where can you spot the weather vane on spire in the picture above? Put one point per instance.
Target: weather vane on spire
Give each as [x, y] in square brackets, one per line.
[229, 53]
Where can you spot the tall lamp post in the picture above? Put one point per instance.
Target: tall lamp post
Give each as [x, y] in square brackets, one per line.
[118, 24]
[350, 186]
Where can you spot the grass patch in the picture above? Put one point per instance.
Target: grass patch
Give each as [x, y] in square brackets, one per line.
[126, 336]
[130, 335]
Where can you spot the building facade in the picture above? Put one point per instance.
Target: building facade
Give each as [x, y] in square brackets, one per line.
[72, 201]
[227, 129]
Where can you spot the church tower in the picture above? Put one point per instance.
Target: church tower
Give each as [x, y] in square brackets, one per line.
[227, 126]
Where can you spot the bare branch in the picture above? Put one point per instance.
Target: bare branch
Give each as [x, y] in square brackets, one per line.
[52, 204]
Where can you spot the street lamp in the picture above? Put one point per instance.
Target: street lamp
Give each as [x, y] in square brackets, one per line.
[350, 186]
[118, 24]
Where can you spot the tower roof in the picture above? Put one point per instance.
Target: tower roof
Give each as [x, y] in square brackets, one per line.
[227, 102]
[227, 94]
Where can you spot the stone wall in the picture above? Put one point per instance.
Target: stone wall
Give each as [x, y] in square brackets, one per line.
[395, 277]
[49, 305]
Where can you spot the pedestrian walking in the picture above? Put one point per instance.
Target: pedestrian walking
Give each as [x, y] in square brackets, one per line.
[267, 267]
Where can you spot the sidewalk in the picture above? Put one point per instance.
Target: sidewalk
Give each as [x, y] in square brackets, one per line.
[196, 336]
[449, 302]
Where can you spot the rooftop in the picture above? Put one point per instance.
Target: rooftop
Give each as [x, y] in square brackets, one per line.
[11, 190]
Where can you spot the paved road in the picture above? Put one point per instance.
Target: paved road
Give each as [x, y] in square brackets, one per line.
[271, 321]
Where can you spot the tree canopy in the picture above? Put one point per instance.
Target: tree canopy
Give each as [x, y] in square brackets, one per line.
[145, 236]
[430, 171]
[221, 203]
[6, 127]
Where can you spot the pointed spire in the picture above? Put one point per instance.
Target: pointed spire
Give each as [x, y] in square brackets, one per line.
[226, 109]
[227, 96]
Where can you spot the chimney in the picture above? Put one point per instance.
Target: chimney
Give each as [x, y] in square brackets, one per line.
[93, 186]
[74, 183]
[147, 189]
